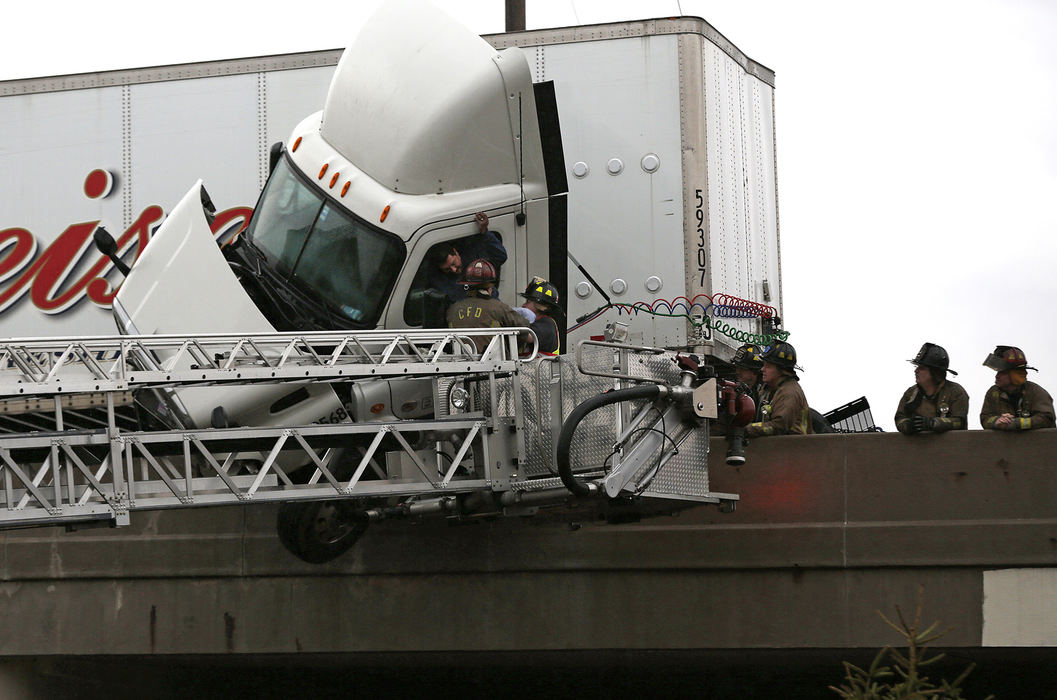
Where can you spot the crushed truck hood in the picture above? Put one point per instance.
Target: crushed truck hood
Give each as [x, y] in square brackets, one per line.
[182, 285]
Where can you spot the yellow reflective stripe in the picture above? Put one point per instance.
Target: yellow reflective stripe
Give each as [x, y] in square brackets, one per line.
[1025, 423]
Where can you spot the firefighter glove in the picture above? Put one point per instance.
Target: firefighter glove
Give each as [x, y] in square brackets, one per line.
[921, 424]
[526, 314]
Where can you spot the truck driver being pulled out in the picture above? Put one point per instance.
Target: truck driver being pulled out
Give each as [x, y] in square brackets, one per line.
[449, 261]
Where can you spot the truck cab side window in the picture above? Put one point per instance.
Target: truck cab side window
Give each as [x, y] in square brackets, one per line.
[426, 304]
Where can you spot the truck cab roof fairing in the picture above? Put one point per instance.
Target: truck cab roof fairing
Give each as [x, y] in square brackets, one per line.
[423, 105]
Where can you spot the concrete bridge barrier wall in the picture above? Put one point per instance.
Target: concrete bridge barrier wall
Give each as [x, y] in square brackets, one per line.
[829, 529]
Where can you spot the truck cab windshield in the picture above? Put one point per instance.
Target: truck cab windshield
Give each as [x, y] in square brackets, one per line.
[326, 253]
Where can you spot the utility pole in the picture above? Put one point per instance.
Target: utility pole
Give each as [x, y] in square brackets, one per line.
[515, 15]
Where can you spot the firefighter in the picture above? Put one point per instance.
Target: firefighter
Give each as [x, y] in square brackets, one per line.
[1014, 403]
[747, 366]
[783, 407]
[542, 311]
[933, 404]
[478, 309]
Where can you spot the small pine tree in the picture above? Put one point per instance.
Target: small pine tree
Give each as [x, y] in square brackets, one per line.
[894, 675]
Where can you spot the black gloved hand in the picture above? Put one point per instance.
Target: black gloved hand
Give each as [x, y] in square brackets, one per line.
[920, 424]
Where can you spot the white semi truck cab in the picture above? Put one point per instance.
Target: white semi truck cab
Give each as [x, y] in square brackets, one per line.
[424, 125]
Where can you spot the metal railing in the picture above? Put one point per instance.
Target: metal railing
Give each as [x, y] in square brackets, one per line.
[63, 475]
[35, 366]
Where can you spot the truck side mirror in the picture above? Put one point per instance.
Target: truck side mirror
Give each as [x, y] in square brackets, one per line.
[106, 245]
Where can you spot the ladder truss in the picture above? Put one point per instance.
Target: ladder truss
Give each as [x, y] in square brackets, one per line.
[103, 472]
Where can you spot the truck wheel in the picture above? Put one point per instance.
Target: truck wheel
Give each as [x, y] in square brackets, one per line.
[319, 531]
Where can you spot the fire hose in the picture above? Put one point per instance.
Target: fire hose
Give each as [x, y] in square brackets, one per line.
[565, 438]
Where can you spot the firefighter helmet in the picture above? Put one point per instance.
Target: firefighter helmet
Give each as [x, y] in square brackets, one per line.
[1005, 358]
[478, 274]
[748, 357]
[781, 354]
[542, 292]
[932, 355]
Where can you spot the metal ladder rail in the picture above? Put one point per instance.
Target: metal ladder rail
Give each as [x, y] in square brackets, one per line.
[83, 492]
[92, 488]
[51, 383]
[46, 365]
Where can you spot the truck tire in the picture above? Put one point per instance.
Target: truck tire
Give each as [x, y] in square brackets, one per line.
[319, 531]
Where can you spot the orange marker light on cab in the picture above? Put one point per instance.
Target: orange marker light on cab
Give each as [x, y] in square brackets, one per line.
[385, 213]
[296, 144]
[322, 171]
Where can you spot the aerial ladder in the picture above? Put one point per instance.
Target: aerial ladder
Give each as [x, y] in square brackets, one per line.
[618, 429]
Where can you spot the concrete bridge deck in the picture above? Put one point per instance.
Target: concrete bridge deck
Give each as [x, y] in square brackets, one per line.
[829, 530]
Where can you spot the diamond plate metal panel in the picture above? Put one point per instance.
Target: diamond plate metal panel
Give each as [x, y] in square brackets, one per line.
[550, 391]
[684, 474]
[661, 367]
[504, 398]
[597, 432]
[533, 425]
[539, 426]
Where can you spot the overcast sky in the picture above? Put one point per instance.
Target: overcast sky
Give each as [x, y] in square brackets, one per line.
[917, 154]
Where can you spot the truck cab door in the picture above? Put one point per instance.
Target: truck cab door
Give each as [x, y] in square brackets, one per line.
[416, 303]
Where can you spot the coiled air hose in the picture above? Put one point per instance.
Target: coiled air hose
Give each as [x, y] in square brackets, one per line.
[565, 438]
